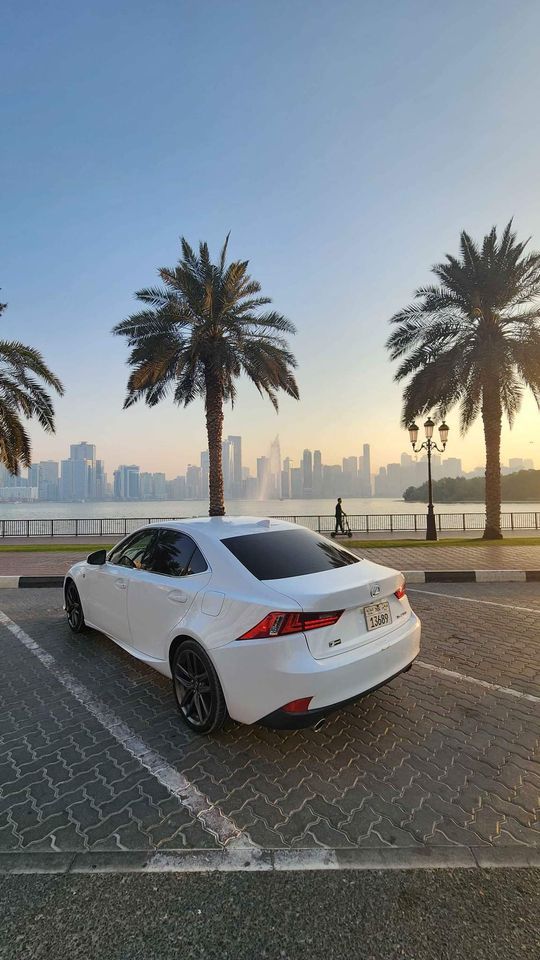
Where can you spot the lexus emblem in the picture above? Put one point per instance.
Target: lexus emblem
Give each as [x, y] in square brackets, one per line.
[375, 590]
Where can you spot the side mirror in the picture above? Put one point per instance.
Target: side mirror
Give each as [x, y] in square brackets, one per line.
[97, 558]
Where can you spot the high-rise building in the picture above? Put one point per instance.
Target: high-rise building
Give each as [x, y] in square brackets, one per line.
[274, 479]
[296, 483]
[193, 482]
[48, 480]
[227, 461]
[235, 482]
[160, 486]
[146, 486]
[307, 473]
[317, 473]
[263, 474]
[100, 486]
[350, 476]
[127, 482]
[82, 451]
[83, 488]
[365, 471]
[451, 467]
[75, 477]
[176, 489]
[286, 479]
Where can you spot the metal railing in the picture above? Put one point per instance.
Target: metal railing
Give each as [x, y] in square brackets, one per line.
[361, 524]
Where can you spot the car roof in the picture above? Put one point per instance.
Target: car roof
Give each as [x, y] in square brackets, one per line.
[219, 528]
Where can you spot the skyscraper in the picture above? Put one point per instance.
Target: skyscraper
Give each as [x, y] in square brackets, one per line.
[365, 471]
[263, 472]
[227, 454]
[317, 473]
[274, 486]
[86, 453]
[235, 446]
[127, 482]
[48, 480]
[307, 470]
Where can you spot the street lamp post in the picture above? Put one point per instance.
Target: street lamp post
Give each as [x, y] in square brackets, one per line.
[428, 445]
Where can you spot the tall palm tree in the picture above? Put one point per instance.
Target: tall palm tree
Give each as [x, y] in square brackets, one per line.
[197, 334]
[474, 339]
[22, 397]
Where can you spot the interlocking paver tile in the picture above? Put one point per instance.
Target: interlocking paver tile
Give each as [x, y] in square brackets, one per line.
[427, 760]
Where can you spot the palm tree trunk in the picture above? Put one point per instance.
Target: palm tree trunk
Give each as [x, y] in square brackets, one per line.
[214, 430]
[492, 419]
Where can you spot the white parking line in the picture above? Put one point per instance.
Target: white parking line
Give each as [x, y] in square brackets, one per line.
[223, 829]
[453, 675]
[489, 603]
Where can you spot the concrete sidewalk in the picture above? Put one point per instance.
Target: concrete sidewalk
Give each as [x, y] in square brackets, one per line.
[409, 558]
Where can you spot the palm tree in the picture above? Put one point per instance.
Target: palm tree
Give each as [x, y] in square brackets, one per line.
[197, 335]
[22, 396]
[474, 339]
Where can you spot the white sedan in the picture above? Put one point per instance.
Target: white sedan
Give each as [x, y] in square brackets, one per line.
[259, 620]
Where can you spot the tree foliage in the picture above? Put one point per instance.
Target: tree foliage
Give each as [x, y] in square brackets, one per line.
[197, 334]
[23, 397]
[522, 485]
[473, 340]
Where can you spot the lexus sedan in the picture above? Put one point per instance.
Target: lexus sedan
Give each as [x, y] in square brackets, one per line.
[259, 620]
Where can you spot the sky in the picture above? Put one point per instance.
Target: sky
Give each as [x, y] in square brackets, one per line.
[344, 145]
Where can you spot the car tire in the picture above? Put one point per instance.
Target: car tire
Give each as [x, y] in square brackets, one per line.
[197, 689]
[74, 610]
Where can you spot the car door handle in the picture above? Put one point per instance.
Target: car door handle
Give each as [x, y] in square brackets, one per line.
[120, 584]
[177, 596]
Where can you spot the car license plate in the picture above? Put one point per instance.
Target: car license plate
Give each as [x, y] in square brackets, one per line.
[378, 615]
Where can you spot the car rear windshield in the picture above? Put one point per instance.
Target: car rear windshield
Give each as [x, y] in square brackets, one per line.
[286, 553]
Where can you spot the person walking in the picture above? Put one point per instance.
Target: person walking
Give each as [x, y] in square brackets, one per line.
[340, 513]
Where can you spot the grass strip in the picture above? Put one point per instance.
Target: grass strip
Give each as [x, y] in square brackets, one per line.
[53, 547]
[86, 548]
[444, 542]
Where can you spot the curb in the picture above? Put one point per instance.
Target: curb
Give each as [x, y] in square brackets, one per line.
[471, 576]
[15, 582]
[412, 576]
[274, 860]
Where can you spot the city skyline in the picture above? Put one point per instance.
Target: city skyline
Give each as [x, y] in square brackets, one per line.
[83, 476]
[391, 185]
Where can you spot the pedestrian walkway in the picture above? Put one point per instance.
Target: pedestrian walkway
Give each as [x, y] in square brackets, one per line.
[409, 558]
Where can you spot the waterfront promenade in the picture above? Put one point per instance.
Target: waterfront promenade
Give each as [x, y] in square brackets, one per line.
[478, 557]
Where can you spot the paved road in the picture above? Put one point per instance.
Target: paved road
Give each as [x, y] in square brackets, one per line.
[431, 760]
[410, 558]
[366, 916]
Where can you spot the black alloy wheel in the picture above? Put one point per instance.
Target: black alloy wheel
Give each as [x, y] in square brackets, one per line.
[74, 610]
[197, 689]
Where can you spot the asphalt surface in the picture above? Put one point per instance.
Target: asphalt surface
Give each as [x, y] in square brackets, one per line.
[362, 916]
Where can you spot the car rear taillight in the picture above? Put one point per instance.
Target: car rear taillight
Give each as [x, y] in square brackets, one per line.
[401, 590]
[279, 624]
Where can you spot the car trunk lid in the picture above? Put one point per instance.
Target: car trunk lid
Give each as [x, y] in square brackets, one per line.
[364, 591]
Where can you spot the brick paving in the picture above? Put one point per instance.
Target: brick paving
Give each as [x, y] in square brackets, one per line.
[409, 558]
[426, 761]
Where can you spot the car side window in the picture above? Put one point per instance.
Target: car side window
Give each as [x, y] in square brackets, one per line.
[135, 552]
[176, 555]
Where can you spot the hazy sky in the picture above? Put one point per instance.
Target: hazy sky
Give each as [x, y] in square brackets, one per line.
[344, 144]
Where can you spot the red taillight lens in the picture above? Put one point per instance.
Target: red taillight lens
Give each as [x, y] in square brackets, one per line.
[279, 624]
[401, 591]
[298, 706]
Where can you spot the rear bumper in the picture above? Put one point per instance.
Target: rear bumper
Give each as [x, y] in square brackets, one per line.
[281, 720]
[260, 677]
